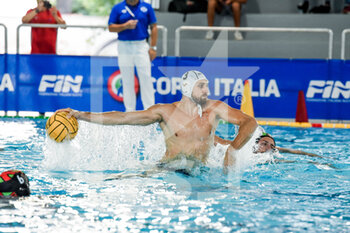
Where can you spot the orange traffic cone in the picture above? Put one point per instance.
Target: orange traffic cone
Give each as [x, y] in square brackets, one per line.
[247, 103]
[301, 114]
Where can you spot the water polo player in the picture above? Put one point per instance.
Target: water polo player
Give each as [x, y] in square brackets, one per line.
[14, 183]
[265, 143]
[188, 125]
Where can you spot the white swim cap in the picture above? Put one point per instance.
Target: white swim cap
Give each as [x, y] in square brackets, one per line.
[189, 79]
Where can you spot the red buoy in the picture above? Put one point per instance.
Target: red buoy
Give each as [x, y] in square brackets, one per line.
[301, 114]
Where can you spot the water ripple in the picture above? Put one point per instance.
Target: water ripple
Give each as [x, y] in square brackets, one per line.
[70, 194]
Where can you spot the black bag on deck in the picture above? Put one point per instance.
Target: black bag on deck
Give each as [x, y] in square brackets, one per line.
[181, 6]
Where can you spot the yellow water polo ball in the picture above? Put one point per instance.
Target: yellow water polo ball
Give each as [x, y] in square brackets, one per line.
[60, 128]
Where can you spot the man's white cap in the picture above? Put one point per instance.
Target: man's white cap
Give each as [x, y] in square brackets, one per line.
[189, 79]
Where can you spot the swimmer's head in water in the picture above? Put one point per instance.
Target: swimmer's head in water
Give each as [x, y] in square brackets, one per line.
[189, 80]
[14, 183]
[265, 143]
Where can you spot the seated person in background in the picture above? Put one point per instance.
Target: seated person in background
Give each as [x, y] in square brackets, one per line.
[218, 5]
[44, 39]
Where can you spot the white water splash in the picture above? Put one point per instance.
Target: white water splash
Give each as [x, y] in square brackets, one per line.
[99, 147]
[246, 159]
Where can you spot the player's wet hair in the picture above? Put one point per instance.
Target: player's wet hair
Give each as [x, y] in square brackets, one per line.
[263, 135]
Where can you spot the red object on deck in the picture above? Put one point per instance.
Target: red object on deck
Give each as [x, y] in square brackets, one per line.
[316, 125]
[301, 114]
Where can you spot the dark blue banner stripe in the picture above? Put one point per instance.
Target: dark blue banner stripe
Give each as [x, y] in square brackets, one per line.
[48, 82]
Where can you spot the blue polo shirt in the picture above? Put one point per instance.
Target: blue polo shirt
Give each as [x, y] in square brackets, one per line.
[143, 12]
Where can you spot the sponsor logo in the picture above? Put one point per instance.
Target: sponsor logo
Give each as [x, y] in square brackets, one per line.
[115, 86]
[144, 9]
[222, 87]
[60, 85]
[165, 85]
[234, 87]
[6, 83]
[328, 91]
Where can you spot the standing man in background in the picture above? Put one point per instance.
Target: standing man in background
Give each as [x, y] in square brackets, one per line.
[130, 19]
[44, 39]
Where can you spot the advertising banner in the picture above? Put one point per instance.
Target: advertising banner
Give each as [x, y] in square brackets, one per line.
[47, 82]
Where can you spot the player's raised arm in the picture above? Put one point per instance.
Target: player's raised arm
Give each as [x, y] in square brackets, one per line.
[145, 117]
[247, 124]
[221, 141]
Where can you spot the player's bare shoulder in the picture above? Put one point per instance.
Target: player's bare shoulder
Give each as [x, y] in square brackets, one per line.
[166, 107]
[214, 105]
[163, 109]
[216, 108]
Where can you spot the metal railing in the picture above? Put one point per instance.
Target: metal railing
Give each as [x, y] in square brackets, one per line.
[164, 40]
[37, 25]
[343, 39]
[5, 37]
[253, 29]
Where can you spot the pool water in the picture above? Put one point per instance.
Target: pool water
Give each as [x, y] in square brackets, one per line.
[70, 193]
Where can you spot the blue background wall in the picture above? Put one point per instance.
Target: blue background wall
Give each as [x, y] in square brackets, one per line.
[48, 82]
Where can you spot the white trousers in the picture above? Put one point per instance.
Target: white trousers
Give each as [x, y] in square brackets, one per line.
[131, 54]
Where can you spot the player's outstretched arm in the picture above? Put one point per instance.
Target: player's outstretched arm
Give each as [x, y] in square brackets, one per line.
[145, 117]
[299, 152]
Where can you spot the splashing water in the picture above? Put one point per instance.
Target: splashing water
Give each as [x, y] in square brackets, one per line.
[290, 197]
[98, 147]
[246, 159]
